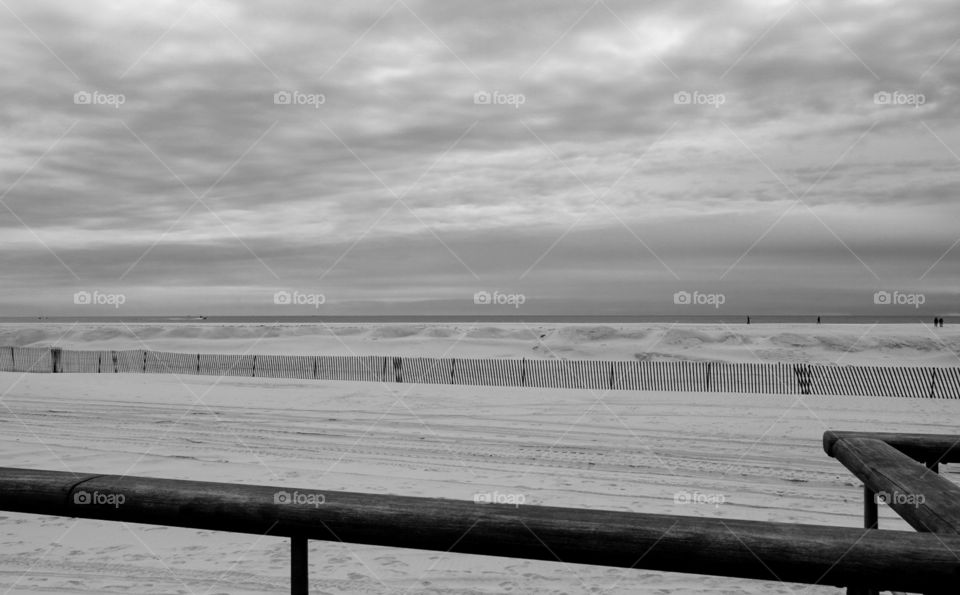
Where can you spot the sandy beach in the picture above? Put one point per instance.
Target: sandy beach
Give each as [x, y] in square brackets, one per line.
[752, 457]
[239, 239]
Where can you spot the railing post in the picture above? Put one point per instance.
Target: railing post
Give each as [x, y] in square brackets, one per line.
[870, 521]
[299, 566]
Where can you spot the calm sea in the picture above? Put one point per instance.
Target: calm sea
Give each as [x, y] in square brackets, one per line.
[826, 319]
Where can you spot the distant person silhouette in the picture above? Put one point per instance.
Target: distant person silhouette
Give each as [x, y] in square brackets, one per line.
[748, 320]
[818, 320]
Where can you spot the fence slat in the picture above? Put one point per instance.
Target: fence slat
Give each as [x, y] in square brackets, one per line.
[421, 370]
[303, 367]
[558, 373]
[488, 372]
[626, 375]
[131, 361]
[353, 368]
[87, 362]
[32, 359]
[163, 362]
[225, 365]
[753, 378]
[947, 385]
[6, 359]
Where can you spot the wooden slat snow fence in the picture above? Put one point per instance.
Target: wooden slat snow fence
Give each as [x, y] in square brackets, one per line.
[596, 375]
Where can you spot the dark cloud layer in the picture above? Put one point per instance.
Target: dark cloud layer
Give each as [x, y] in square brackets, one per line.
[816, 161]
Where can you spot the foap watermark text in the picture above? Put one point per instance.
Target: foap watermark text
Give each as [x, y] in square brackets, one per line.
[114, 100]
[499, 498]
[296, 498]
[314, 100]
[899, 499]
[96, 498]
[899, 98]
[686, 298]
[96, 298]
[485, 298]
[685, 497]
[698, 98]
[899, 298]
[498, 98]
[296, 298]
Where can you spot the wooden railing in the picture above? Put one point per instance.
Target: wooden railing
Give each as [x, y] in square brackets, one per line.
[811, 554]
[901, 470]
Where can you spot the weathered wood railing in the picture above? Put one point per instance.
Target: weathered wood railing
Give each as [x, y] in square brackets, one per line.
[901, 470]
[811, 554]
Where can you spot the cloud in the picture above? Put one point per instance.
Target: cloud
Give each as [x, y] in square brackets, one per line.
[405, 186]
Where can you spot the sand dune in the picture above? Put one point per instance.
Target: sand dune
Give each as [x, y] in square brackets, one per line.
[915, 345]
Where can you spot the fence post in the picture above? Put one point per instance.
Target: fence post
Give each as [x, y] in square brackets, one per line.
[804, 378]
[299, 566]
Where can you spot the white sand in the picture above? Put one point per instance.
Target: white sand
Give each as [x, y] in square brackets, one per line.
[616, 450]
[888, 344]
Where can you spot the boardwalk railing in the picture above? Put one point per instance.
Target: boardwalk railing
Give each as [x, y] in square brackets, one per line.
[901, 470]
[811, 554]
[763, 378]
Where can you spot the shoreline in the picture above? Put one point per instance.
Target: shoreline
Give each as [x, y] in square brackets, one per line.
[856, 344]
[834, 319]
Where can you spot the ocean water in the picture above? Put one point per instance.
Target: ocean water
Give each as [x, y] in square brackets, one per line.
[583, 319]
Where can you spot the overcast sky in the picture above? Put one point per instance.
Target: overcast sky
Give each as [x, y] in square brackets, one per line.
[594, 157]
